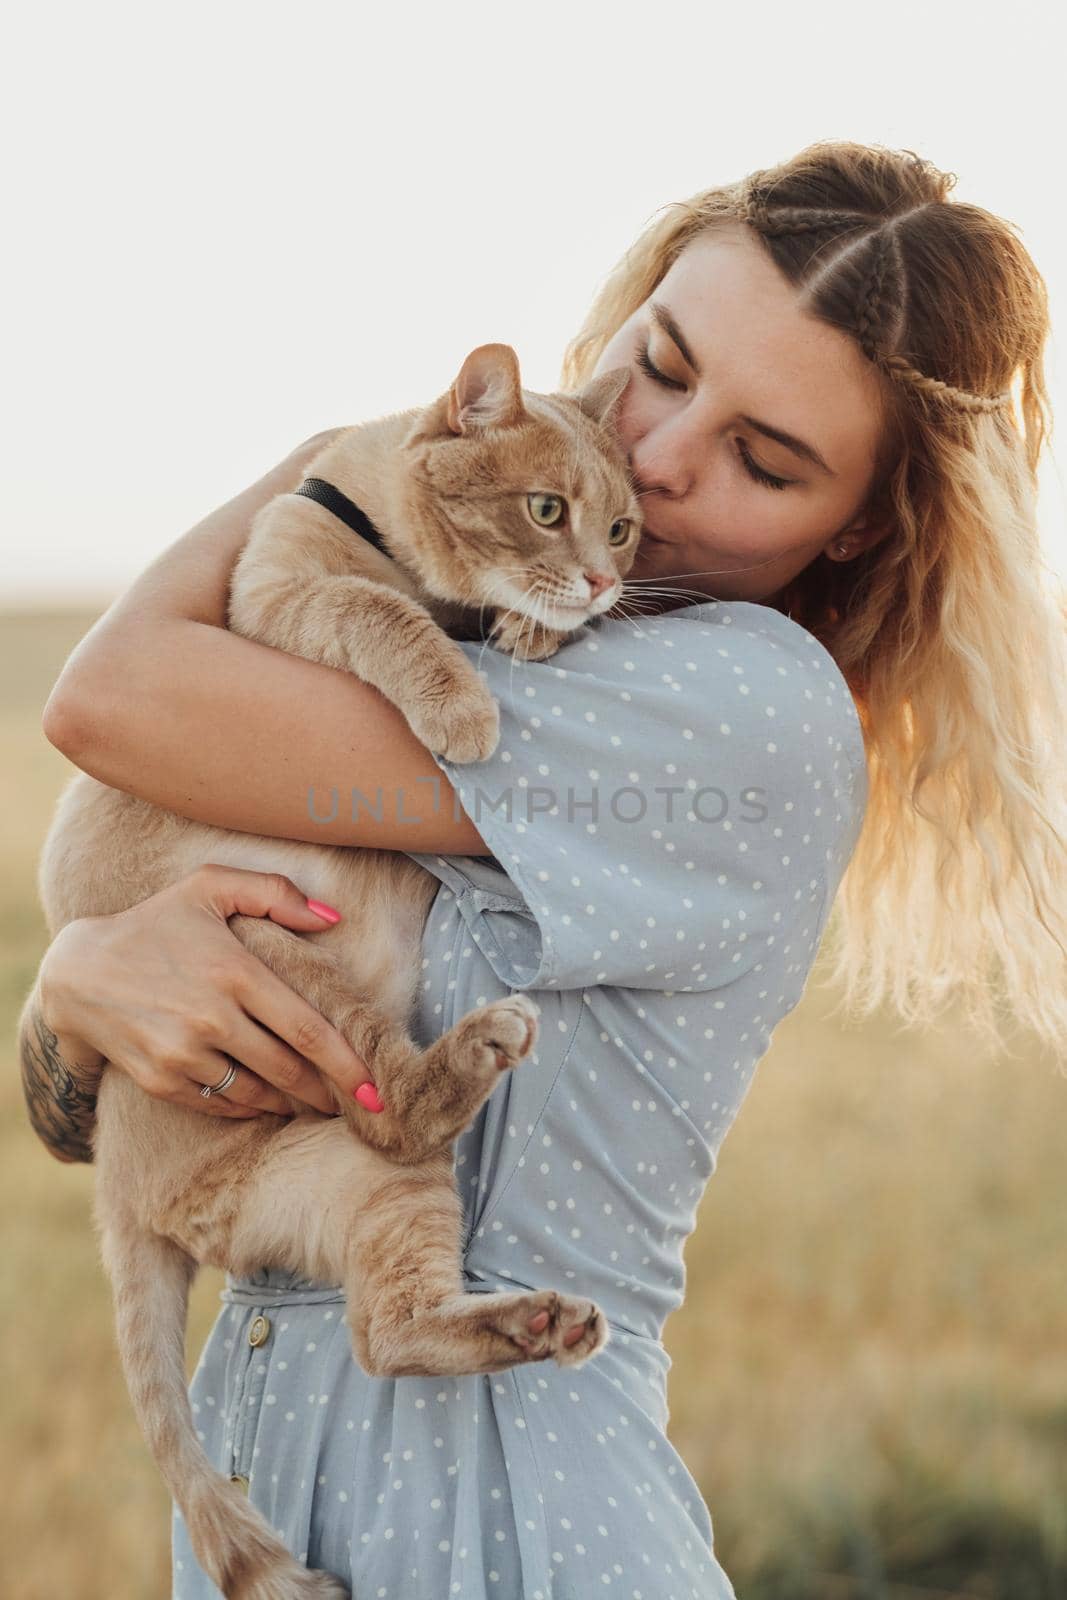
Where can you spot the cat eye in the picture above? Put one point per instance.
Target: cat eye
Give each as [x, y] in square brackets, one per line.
[620, 531]
[546, 509]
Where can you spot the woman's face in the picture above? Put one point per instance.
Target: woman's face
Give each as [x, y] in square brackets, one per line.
[723, 358]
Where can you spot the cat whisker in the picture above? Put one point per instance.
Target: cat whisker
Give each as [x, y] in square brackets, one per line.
[496, 626]
[629, 599]
[662, 588]
[710, 572]
[629, 604]
[525, 621]
[618, 613]
[528, 626]
[694, 596]
[507, 611]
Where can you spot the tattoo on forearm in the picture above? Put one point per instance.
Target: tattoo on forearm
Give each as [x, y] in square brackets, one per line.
[61, 1105]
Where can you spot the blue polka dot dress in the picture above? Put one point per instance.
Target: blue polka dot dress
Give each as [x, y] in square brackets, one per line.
[670, 810]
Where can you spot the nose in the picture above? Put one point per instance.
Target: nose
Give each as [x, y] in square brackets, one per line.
[598, 581]
[659, 464]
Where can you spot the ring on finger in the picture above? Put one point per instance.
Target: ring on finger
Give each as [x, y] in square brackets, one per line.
[226, 1083]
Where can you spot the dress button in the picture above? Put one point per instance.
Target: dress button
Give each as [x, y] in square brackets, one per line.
[259, 1332]
[242, 1483]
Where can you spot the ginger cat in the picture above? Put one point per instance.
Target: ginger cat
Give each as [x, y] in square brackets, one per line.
[491, 498]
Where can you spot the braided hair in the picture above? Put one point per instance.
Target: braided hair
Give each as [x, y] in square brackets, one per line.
[880, 290]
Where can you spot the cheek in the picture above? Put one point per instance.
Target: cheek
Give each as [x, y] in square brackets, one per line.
[735, 516]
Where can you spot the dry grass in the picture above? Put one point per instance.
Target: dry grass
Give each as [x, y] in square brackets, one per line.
[870, 1372]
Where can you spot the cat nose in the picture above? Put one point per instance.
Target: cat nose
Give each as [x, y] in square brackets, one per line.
[598, 581]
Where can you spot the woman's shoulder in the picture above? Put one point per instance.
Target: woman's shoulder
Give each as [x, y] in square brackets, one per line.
[748, 657]
[764, 626]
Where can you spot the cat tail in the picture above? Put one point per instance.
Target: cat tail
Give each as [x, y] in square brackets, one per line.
[150, 1278]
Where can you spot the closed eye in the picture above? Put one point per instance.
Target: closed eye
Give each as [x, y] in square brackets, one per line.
[755, 472]
[644, 361]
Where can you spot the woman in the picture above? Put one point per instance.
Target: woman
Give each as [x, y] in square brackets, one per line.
[822, 427]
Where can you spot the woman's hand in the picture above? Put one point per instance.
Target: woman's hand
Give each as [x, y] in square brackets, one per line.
[166, 992]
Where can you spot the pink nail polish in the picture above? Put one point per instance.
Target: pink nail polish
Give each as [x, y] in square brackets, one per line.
[368, 1097]
[327, 913]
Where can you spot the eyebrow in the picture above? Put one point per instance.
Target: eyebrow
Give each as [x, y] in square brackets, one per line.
[798, 447]
[663, 319]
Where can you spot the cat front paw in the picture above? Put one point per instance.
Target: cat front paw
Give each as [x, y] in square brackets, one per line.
[466, 729]
[526, 640]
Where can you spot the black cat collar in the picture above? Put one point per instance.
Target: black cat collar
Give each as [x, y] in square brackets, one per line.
[325, 494]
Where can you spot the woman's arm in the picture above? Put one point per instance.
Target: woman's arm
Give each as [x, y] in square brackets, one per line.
[161, 700]
[60, 1078]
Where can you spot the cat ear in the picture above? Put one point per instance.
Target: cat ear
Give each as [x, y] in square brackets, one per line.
[487, 393]
[600, 397]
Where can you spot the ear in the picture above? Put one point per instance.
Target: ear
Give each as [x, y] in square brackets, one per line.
[600, 397]
[487, 393]
[859, 537]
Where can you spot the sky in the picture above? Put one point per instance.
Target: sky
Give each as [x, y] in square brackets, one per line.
[236, 224]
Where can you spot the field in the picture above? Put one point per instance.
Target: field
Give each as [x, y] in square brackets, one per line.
[870, 1371]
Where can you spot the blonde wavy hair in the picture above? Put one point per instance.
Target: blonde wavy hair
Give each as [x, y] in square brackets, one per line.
[950, 630]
